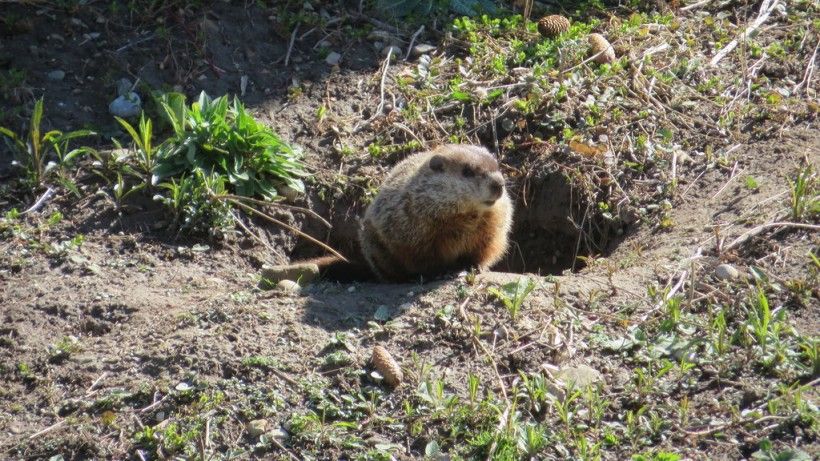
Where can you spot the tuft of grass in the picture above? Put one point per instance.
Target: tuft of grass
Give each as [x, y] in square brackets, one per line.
[513, 294]
[805, 196]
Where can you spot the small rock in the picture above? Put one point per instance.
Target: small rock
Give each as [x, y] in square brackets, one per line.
[56, 75]
[392, 49]
[289, 193]
[333, 59]
[303, 272]
[124, 87]
[289, 286]
[279, 434]
[126, 106]
[380, 35]
[580, 376]
[726, 272]
[423, 48]
[257, 427]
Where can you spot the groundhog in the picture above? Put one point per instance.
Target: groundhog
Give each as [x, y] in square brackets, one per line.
[437, 212]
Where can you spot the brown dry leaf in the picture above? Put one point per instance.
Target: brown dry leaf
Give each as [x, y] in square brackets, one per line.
[586, 149]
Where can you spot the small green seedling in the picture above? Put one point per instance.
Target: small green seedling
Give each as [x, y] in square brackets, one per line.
[513, 294]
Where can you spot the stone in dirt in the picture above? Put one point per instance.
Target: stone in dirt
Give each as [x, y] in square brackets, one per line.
[126, 106]
[56, 75]
[333, 58]
[423, 48]
[726, 272]
[580, 376]
[257, 427]
[288, 286]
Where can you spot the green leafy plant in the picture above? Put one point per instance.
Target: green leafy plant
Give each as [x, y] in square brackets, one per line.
[191, 202]
[805, 199]
[144, 152]
[32, 152]
[513, 294]
[215, 136]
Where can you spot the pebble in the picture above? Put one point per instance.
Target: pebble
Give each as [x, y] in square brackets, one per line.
[56, 75]
[380, 35]
[726, 272]
[581, 376]
[279, 434]
[126, 106]
[257, 427]
[423, 48]
[333, 59]
[289, 286]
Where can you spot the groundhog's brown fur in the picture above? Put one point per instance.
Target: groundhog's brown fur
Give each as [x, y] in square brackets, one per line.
[437, 211]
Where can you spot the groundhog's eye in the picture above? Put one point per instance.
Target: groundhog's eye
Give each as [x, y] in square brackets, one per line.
[468, 172]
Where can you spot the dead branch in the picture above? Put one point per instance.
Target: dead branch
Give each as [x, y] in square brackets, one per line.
[766, 9]
[281, 224]
[751, 233]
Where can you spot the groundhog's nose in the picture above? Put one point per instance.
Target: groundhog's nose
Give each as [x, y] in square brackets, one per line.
[496, 187]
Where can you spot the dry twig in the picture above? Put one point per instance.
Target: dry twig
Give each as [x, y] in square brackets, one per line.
[766, 9]
[751, 233]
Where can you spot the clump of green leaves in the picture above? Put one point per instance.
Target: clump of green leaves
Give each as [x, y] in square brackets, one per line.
[513, 294]
[192, 204]
[34, 152]
[805, 196]
[215, 136]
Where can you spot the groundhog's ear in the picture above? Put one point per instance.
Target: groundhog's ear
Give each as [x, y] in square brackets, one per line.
[437, 163]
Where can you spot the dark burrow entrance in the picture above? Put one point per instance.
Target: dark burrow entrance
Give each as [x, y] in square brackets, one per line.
[562, 218]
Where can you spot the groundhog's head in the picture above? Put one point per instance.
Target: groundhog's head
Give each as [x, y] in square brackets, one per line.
[467, 171]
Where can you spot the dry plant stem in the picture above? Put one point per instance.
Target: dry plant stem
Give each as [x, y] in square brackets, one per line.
[285, 225]
[732, 176]
[284, 377]
[766, 9]
[41, 201]
[94, 384]
[809, 71]
[47, 430]
[284, 448]
[252, 234]
[381, 93]
[667, 297]
[280, 205]
[751, 233]
[290, 45]
[413, 41]
[463, 314]
[153, 405]
[695, 5]
[407, 130]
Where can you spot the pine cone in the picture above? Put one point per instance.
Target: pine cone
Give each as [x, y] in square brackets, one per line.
[553, 25]
[600, 45]
[387, 366]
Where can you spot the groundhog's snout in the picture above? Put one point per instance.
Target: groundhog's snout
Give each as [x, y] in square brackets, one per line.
[496, 187]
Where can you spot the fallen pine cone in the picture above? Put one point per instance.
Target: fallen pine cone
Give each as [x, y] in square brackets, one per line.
[387, 366]
[601, 47]
[553, 25]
